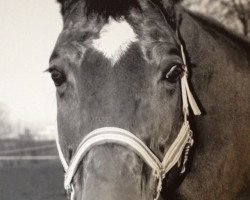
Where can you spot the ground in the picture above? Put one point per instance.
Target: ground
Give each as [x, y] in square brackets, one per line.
[41, 180]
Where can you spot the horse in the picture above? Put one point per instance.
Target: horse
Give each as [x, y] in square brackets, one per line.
[130, 77]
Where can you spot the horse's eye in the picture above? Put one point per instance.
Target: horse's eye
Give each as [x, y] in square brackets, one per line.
[174, 74]
[58, 77]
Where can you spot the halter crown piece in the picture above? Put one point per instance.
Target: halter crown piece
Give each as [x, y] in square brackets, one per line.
[125, 138]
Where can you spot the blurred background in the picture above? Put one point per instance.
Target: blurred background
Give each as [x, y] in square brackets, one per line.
[29, 165]
[234, 14]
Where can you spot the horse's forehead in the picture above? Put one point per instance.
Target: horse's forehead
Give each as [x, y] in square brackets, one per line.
[114, 39]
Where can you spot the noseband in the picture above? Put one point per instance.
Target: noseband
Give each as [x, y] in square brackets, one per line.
[106, 135]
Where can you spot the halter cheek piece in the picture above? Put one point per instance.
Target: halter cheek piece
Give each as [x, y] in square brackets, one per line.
[105, 135]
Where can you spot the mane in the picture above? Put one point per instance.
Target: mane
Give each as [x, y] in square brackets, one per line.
[214, 27]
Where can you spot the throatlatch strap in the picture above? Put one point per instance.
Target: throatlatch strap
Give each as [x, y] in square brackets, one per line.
[187, 96]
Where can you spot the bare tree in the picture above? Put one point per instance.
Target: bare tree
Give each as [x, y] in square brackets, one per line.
[234, 14]
[241, 8]
[5, 126]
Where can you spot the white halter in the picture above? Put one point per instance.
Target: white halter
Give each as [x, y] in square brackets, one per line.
[125, 138]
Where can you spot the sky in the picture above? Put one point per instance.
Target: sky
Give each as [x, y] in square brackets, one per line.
[28, 32]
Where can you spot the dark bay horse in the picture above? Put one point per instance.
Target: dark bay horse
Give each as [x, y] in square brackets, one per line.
[122, 65]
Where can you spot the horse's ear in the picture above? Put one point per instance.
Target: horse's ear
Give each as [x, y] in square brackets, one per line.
[169, 3]
[168, 8]
[63, 4]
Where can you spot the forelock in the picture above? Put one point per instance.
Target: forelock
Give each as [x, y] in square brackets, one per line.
[110, 8]
[102, 8]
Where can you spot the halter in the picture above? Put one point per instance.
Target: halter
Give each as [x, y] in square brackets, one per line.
[106, 135]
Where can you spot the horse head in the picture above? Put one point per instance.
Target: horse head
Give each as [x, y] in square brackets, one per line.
[120, 65]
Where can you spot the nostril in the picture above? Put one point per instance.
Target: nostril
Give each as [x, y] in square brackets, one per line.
[162, 148]
[70, 153]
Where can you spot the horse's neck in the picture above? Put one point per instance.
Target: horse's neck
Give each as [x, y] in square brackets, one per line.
[205, 35]
[220, 77]
[220, 64]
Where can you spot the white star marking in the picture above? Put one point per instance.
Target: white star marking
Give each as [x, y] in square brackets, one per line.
[115, 39]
